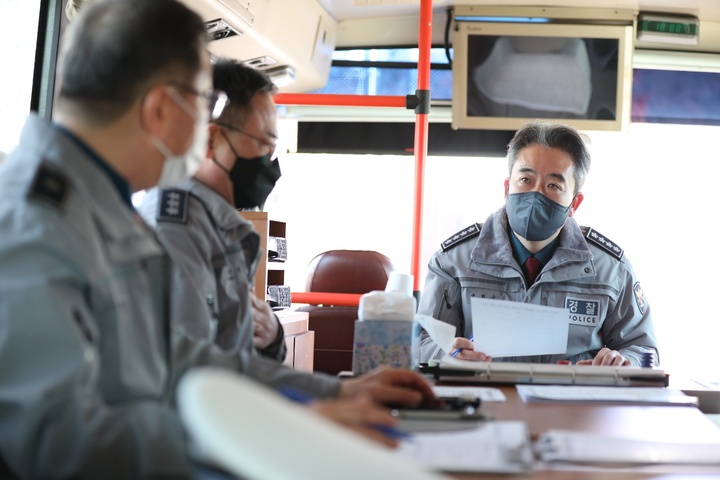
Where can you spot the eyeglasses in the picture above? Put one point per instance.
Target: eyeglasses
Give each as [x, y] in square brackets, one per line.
[270, 145]
[216, 98]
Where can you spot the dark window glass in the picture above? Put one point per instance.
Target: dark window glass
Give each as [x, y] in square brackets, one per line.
[667, 96]
[659, 96]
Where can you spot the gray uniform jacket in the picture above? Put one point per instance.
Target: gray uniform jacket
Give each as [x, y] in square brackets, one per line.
[587, 274]
[215, 254]
[89, 360]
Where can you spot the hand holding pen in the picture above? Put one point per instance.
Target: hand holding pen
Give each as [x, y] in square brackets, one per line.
[360, 414]
[465, 350]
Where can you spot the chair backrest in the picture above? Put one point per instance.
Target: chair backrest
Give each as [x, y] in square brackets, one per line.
[348, 271]
[340, 271]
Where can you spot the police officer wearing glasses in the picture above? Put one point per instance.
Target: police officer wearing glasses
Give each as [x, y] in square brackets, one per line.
[89, 356]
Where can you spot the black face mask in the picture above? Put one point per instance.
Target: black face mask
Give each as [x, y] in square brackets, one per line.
[253, 178]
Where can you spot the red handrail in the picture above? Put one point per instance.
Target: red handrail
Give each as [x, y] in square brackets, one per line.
[420, 150]
[319, 298]
[335, 100]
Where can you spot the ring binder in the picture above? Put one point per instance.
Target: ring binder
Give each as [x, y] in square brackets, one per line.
[454, 370]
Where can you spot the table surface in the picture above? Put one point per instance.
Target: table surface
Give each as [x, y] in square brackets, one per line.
[659, 423]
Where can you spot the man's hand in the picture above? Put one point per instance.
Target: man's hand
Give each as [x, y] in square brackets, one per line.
[607, 357]
[468, 352]
[390, 386]
[265, 325]
[359, 414]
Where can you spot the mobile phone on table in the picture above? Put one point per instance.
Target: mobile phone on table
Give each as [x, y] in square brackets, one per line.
[448, 408]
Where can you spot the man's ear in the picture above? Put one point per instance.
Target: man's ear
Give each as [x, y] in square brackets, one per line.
[506, 183]
[576, 203]
[154, 112]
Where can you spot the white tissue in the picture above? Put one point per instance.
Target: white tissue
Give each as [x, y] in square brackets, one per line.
[381, 305]
[400, 282]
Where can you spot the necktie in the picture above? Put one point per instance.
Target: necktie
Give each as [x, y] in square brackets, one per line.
[531, 268]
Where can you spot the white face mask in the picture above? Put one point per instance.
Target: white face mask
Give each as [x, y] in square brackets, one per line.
[179, 167]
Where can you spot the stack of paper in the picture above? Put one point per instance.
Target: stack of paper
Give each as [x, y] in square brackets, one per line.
[490, 447]
[580, 447]
[585, 394]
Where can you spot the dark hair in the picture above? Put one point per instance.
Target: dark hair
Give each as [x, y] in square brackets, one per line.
[115, 50]
[240, 83]
[552, 135]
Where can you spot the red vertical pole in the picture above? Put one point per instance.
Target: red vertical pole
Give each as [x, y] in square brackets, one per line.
[421, 133]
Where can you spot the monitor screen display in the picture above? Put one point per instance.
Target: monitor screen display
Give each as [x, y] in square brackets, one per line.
[507, 74]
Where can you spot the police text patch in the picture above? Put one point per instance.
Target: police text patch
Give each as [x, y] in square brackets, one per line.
[583, 312]
[173, 205]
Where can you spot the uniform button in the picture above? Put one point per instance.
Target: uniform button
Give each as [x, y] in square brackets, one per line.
[587, 269]
[210, 299]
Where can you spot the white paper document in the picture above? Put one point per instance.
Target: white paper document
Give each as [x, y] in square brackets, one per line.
[491, 447]
[508, 329]
[592, 394]
[485, 394]
[442, 333]
[581, 447]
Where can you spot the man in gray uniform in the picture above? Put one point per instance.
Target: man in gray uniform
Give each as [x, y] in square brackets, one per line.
[214, 250]
[89, 359]
[574, 268]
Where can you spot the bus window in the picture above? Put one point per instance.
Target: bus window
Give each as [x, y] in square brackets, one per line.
[18, 34]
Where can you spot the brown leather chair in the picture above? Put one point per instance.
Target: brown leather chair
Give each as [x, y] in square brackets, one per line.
[341, 271]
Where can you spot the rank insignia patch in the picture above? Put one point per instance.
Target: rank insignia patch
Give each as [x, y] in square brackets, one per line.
[605, 243]
[461, 236]
[49, 186]
[640, 298]
[173, 205]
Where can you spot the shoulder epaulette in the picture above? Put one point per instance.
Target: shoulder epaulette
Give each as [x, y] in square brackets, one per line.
[464, 234]
[50, 186]
[172, 205]
[603, 242]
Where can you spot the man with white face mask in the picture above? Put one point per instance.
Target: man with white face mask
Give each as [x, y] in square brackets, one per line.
[533, 251]
[89, 357]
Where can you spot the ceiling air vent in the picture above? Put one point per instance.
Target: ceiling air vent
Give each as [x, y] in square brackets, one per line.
[219, 29]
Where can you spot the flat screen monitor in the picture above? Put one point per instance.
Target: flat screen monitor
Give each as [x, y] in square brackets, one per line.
[506, 74]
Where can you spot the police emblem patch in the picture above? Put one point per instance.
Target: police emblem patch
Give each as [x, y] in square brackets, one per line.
[50, 186]
[464, 234]
[173, 205]
[640, 298]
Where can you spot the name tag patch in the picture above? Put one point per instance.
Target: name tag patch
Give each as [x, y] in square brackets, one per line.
[583, 312]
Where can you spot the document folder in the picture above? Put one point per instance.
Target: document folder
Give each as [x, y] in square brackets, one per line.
[453, 370]
[588, 448]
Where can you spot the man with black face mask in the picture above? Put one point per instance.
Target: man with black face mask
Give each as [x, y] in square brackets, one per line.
[215, 253]
[198, 225]
[533, 251]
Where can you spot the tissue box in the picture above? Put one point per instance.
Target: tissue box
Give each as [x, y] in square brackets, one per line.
[394, 343]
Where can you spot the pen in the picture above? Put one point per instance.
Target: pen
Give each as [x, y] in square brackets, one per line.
[458, 350]
[302, 397]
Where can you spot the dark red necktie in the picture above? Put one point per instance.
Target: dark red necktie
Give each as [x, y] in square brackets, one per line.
[531, 269]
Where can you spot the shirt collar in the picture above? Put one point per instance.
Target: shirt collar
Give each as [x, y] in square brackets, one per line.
[122, 186]
[521, 253]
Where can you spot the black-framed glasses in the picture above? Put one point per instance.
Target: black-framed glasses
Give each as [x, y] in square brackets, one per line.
[270, 145]
[217, 99]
